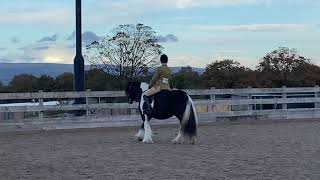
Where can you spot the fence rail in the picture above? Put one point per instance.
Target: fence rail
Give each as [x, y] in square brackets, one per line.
[70, 95]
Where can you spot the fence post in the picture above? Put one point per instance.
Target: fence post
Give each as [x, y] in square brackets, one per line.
[284, 97]
[212, 99]
[317, 96]
[249, 97]
[87, 102]
[40, 104]
[132, 111]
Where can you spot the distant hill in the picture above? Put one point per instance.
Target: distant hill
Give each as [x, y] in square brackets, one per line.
[9, 70]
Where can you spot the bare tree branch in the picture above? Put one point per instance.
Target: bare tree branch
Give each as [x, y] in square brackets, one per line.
[128, 52]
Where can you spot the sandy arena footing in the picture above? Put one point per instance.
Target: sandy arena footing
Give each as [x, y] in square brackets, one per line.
[288, 150]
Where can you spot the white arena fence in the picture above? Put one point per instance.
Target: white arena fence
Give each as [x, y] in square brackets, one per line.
[56, 110]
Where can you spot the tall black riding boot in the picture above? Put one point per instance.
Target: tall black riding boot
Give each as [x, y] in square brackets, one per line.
[147, 110]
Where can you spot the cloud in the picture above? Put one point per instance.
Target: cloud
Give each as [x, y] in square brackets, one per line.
[43, 52]
[193, 61]
[166, 39]
[48, 15]
[200, 3]
[57, 53]
[71, 46]
[15, 40]
[87, 37]
[72, 36]
[41, 47]
[5, 60]
[35, 46]
[49, 38]
[201, 61]
[315, 60]
[227, 51]
[53, 13]
[254, 27]
[128, 11]
[97, 11]
[186, 4]
[17, 58]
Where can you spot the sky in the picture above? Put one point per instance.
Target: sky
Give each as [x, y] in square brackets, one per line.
[194, 32]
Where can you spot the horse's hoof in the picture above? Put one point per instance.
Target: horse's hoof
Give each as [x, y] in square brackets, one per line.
[176, 141]
[193, 141]
[140, 135]
[147, 142]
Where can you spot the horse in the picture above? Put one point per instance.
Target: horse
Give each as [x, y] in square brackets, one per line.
[165, 104]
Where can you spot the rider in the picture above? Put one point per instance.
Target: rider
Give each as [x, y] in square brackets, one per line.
[160, 81]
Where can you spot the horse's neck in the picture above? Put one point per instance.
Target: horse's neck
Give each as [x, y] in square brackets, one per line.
[144, 86]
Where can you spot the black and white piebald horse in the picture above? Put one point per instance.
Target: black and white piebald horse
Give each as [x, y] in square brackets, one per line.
[165, 104]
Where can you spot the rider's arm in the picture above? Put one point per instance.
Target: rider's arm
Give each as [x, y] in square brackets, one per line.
[154, 78]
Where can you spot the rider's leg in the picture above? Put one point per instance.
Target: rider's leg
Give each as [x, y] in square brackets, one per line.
[146, 94]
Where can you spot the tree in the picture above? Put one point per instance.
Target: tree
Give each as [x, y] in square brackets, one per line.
[275, 68]
[45, 83]
[2, 87]
[127, 53]
[98, 80]
[64, 82]
[23, 83]
[186, 78]
[228, 74]
[307, 74]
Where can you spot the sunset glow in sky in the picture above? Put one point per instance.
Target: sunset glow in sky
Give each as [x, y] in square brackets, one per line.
[205, 30]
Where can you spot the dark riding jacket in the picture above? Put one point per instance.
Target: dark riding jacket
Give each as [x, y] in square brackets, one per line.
[161, 78]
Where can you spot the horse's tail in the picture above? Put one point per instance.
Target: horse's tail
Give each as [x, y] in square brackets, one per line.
[189, 121]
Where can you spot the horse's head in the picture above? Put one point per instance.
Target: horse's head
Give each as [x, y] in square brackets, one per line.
[134, 91]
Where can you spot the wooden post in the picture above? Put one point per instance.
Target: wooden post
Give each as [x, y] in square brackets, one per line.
[41, 106]
[87, 102]
[212, 99]
[317, 96]
[284, 97]
[249, 97]
[132, 111]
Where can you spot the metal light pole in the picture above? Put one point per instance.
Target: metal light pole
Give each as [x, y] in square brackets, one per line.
[79, 80]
